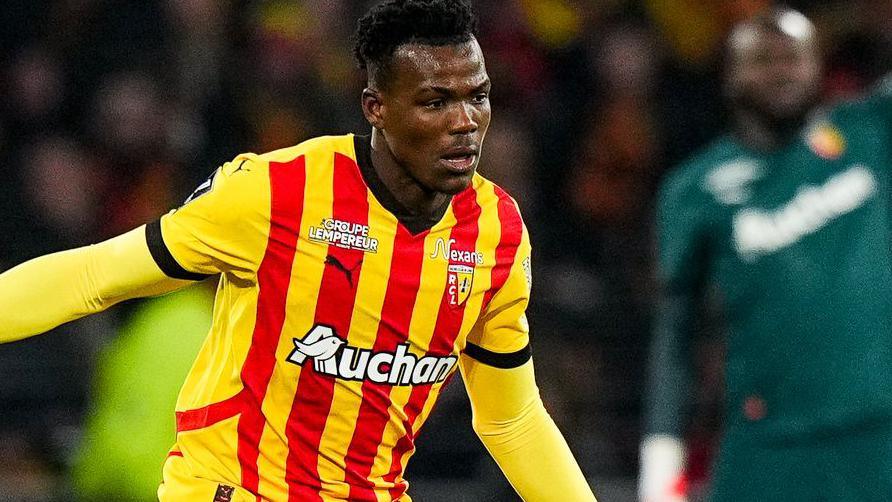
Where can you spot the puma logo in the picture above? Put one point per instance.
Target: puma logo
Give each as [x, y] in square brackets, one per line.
[334, 262]
[241, 167]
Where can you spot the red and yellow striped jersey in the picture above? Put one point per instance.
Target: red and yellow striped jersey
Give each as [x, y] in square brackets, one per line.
[335, 324]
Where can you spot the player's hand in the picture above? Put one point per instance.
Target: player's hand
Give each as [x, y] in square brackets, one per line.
[661, 477]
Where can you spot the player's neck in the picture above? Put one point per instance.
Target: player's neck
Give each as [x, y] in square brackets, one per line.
[761, 134]
[406, 190]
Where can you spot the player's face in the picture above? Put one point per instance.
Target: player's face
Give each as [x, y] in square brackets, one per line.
[435, 112]
[774, 75]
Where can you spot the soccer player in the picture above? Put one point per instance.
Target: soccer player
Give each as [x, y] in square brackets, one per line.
[357, 273]
[789, 217]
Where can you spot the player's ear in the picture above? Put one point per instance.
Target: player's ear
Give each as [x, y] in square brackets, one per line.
[373, 107]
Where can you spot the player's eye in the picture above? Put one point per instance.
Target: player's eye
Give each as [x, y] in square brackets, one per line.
[481, 98]
[435, 104]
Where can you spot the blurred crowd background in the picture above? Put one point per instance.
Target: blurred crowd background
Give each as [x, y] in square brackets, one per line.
[111, 111]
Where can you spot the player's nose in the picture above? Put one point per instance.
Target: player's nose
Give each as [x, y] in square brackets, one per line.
[463, 119]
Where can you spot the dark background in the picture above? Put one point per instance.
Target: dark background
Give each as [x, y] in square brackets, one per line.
[112, 111]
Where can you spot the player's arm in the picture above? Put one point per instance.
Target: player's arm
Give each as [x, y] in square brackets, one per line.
[219, 229]
[508, 414]
[519, 434]
[682, 219]
[45, 292]
[667, 403]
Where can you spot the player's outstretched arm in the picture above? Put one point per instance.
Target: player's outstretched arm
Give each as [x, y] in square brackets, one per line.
[686, 218]
[667, 403]
[45, 292]
[512, 422]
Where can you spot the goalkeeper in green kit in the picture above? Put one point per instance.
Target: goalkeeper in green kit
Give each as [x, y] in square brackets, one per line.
[789, 217]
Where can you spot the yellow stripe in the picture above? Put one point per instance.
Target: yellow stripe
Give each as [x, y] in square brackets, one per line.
[211, 452]
[214, 375]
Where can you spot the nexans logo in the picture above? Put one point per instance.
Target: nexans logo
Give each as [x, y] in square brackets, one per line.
[332, 356]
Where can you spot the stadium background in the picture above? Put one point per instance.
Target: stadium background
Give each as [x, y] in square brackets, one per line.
[112, 111]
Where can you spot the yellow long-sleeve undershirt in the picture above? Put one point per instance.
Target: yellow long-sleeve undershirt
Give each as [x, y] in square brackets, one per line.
[512, 422]
[42, 293]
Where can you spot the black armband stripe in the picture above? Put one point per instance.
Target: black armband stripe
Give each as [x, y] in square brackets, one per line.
[499, 359]
[166, 262]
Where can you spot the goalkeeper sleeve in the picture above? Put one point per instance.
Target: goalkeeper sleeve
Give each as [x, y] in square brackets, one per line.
[45, 292]
[510, 419]
[667, 404]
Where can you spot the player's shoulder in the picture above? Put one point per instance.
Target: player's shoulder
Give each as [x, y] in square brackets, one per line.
[492, 197]
[320, 145]
[873, 103]
[884, 86]
[716, 165]
[697, 167]
[253, 166]
[499, 213]
[854, 109]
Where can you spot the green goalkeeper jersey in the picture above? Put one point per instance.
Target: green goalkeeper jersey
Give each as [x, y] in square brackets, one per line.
[799, 244]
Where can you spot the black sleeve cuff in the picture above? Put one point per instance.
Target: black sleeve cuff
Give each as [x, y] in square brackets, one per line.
[498, 359]
[166, 262]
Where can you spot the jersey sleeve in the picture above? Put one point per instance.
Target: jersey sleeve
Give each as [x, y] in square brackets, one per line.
[221, 228]
[683, 223]
[511, 421]
[45, 292]
[682, 228]
[501, 336]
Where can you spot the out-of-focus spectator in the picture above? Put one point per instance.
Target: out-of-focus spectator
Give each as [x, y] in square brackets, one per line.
[60, 181]
[616, 163]
[35, 91]
[129, 125]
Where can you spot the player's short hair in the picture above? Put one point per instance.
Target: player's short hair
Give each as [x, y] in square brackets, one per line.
[393, 23]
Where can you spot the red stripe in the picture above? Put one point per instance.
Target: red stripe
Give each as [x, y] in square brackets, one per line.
[393, 329]
[512, 233]
[334, 308]
[175, 453]
[209, 415]
[287, 182]
[446, 330]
